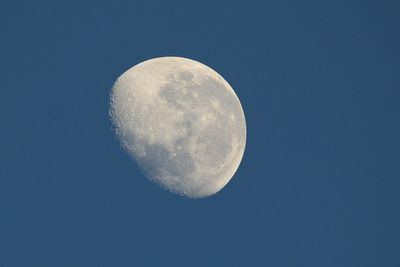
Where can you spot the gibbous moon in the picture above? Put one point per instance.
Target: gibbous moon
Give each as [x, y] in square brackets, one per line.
[181, 122]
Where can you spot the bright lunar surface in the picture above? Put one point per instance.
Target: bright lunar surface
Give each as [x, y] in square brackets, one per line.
[181, 122]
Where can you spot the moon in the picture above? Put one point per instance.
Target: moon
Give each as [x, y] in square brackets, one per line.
[181, 122]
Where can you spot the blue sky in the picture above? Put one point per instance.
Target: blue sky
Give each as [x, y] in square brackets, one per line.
[319, 182]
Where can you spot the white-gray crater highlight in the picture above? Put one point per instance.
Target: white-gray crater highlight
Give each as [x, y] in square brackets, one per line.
[181, 122]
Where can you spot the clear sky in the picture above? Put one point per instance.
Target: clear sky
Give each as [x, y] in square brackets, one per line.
[319, 183]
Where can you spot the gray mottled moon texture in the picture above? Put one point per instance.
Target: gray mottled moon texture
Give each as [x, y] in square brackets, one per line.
[181, 122]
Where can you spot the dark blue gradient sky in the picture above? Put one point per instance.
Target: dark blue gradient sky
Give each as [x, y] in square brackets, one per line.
[319, 183]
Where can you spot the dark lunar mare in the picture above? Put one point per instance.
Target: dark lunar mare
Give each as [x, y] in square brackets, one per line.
[182, 94]
[158, 159]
